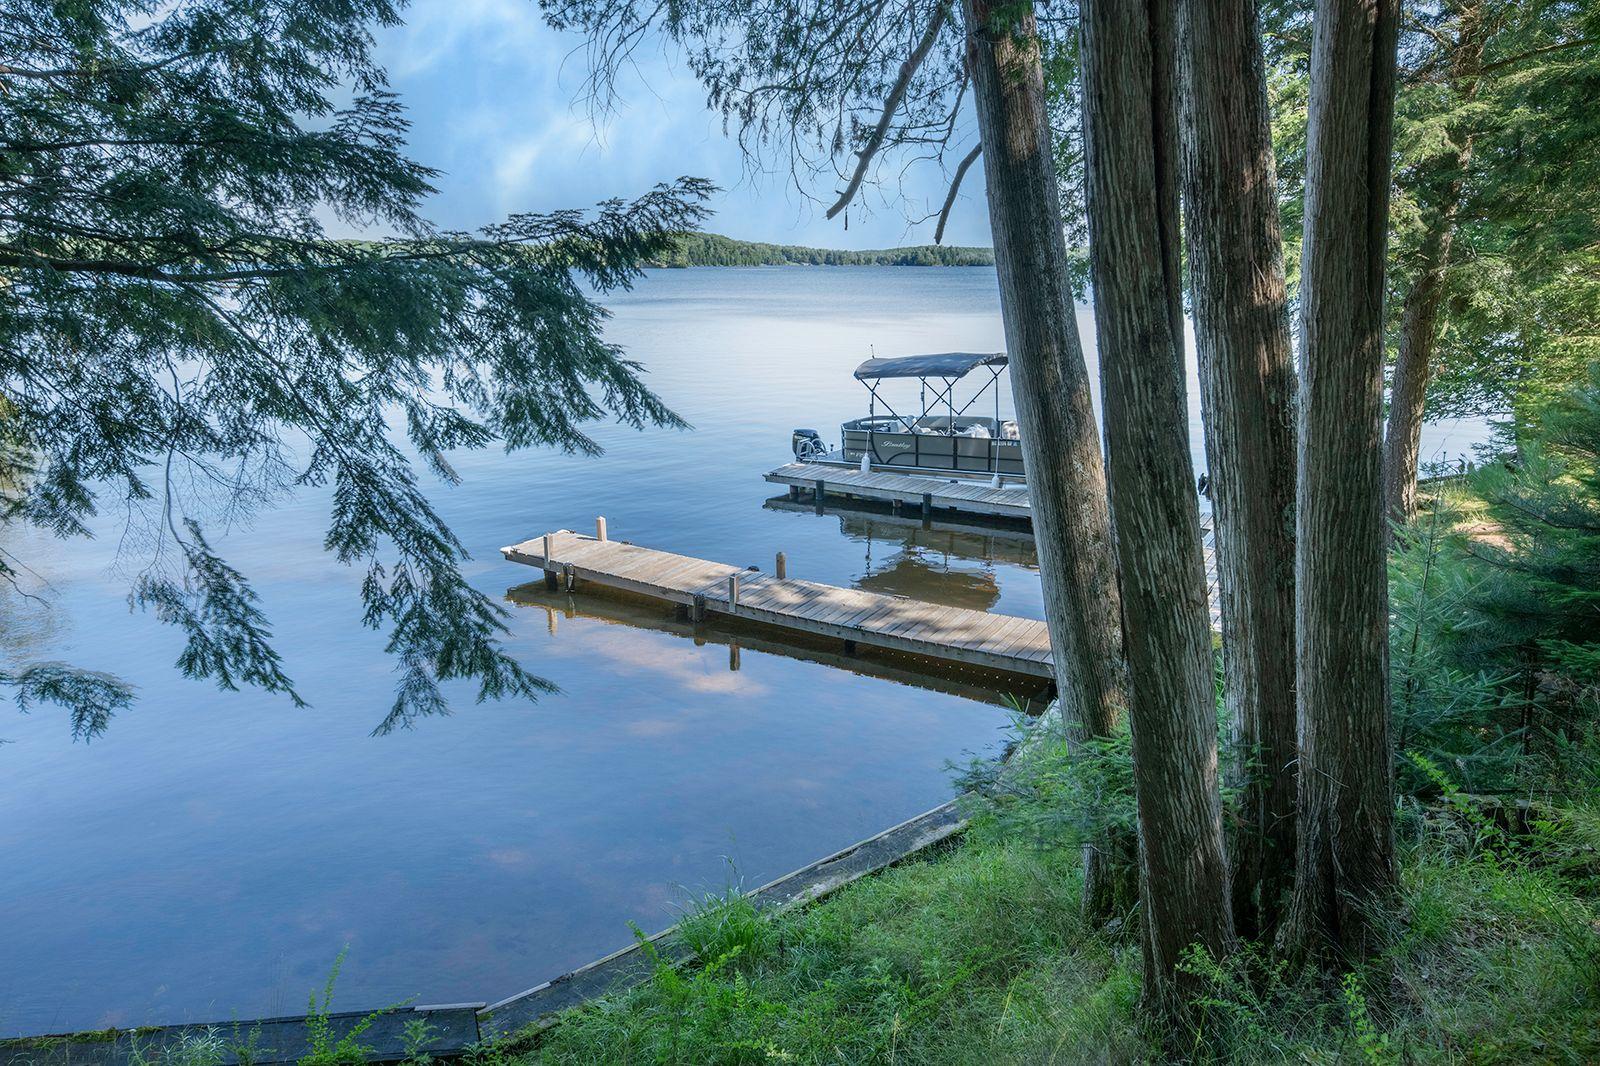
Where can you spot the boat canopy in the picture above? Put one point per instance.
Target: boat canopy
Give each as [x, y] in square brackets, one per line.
[942, 365]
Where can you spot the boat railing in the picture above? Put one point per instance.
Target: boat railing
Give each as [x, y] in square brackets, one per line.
[933, 442]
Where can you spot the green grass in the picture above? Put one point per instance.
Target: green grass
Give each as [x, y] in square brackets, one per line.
[976, 955]
[952, 960]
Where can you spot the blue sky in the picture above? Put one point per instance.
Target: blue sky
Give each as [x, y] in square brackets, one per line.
[495, 99]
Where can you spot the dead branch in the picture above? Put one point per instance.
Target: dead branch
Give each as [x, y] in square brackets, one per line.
[897, 94]
[955, 187]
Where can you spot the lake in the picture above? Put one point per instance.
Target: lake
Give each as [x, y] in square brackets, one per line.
[210, 855]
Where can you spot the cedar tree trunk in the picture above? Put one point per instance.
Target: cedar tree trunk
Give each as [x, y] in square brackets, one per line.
[1131, 161]
[1241, 325]
[1345, 864]
[1413, 364]
[1408, 392]
[1049, 379]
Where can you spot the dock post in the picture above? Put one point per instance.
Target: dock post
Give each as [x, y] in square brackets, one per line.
[782, 569]
[794, 492]
[568, 579]
[733, 592]
[817, 495]
[927, 504]
[600, 528]
[549, 568]
[697, 610]
[733, 656]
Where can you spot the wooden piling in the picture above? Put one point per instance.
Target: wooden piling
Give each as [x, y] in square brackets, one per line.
[600, 528]
[549, 567]
[782, 568]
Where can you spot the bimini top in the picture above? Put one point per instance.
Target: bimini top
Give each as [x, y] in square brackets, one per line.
[943, 365]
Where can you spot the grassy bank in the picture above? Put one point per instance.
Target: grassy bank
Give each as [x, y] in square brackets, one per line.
[977, 955]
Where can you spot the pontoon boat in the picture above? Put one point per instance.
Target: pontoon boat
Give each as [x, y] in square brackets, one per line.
[942, 438]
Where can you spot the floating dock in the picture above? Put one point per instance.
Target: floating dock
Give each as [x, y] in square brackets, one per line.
[926, 491]
[897, 623]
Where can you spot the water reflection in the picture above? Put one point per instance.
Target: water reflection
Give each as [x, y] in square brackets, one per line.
[738, 635]
[953, 562]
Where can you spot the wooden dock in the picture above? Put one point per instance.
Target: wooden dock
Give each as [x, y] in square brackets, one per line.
[928, 492]
[897, 623]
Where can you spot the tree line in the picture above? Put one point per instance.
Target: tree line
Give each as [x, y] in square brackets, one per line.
[713, 249]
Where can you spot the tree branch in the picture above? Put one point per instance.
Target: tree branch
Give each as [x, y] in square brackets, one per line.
[955, 187]
[897, 94]
[1560, 46]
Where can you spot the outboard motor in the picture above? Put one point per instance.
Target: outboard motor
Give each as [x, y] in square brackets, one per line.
[807, 443]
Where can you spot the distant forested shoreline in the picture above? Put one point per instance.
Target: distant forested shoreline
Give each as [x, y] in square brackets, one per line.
[713, 249]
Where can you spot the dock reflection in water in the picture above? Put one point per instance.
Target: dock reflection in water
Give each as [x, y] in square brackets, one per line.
[610, 607]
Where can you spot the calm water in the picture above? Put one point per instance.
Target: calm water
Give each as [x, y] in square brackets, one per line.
[211, 854]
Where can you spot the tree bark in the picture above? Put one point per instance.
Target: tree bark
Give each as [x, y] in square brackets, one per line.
[1345, 863]
[1130, 152]
[1441, 202]
[1050, 382]
[1408, 391]
[1241, 324]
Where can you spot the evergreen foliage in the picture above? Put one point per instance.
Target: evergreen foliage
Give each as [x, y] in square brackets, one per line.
[1521, 304]
[829, 92]
[180, 336]
[1529, 221]
[1497, 599]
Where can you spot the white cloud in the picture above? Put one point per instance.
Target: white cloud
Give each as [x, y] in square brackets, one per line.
[435, 30]
[495, 97]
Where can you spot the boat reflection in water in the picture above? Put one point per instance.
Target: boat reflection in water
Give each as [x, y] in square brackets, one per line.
[924, 557]
[941, 561]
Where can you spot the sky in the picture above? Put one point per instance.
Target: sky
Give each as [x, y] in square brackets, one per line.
[497, 103]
